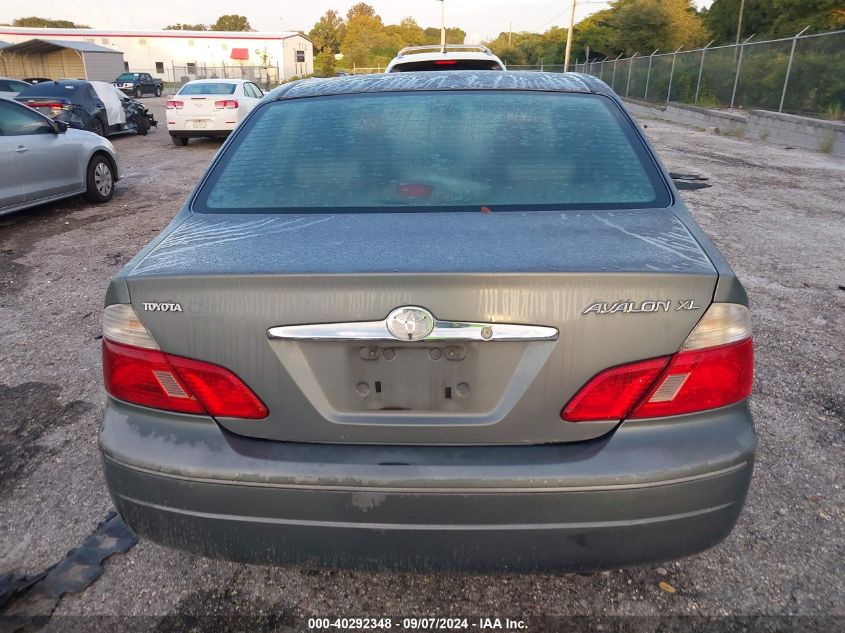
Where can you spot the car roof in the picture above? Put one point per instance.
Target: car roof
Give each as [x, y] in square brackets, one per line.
[441, 80]
[219, 80]
[67, 82]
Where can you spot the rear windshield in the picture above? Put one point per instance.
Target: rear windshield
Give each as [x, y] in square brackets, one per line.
[49, 89]
[447, 64]
[208, 89]
[434, 151]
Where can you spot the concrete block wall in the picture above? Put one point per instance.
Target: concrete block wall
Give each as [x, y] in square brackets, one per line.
[797, 131]
[771, 127]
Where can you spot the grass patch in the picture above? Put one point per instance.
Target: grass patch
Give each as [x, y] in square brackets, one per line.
[826, 146]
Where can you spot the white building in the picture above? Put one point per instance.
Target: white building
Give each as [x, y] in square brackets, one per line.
[174, 55]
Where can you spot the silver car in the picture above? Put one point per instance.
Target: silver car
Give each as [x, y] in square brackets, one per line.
[471, 326]
[42, 160]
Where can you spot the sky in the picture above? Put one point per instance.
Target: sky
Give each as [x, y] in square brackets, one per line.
[483, 19]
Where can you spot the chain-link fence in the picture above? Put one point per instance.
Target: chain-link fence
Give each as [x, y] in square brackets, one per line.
[548, 68]
[265, 77]
[803, 75]
[366, 70]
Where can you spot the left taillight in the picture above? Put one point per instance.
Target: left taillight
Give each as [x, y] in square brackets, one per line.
[135, 370]
[713, 368]
[53, 106]
[175, 105]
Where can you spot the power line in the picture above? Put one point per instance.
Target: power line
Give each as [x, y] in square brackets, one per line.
[562, 13]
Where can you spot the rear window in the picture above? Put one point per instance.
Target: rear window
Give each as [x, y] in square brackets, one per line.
[49, 89]
[208, 89]
[447, 64]
[434, 151]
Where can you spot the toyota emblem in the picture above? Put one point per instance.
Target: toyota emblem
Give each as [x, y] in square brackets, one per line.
[410, 323]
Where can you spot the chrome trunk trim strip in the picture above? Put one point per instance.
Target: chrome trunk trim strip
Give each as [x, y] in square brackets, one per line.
[446, 331]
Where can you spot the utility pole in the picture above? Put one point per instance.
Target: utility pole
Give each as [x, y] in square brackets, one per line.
[569, 37]
[739, 25]
[443, 25]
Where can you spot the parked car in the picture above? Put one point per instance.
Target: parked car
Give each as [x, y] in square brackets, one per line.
[139, 84]
[95, 106]
[9, 88]
[41, 160]
[450, 57]
[453, 322]
[210, 107]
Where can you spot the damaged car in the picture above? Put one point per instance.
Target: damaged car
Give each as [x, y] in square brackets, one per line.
[41, 161]
[95, 106]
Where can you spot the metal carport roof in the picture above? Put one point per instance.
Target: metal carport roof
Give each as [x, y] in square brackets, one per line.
[39, 45]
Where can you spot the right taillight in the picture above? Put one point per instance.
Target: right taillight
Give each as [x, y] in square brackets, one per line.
[135, 370]
[713, 368]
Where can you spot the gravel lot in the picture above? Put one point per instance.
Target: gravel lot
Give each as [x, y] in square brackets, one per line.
[777, 214]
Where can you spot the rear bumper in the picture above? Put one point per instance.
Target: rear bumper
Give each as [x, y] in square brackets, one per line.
[198, 134]
[218, 124]
[646, 493]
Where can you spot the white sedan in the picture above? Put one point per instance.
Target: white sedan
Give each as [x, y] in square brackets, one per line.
[209, 107]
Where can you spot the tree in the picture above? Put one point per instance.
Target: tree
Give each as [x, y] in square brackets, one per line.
[644, 25]
[512, 55]
[36, 22]
[231, 22]
[530, 48]
[454, 35]
[325, 64]
[364, 37]
[409, 33]
[721, 18]
[328, 32]
[186, 27]
[773, 18]
[596, 34]
[362, 8]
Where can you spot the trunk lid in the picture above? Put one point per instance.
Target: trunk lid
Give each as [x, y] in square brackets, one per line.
[48, 106]
[201, 106]
[612, 283]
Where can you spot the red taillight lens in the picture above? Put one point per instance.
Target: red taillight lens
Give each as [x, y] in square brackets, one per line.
[714, 368]
[445, 62]
[152, 378]
[697, 380]
[614, 392]
[143, 376]
[227, 104]
[55, 107]
[175, 105]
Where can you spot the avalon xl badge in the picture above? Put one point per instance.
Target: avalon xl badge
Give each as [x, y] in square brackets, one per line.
[410, 323]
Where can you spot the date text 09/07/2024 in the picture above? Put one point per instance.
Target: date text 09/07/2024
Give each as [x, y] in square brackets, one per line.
[423, 623]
